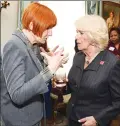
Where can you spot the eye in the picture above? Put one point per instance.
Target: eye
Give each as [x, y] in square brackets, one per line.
[81, 32]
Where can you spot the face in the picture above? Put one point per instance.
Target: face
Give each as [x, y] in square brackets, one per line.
[44, 37]
[114, 37]
[111, 15]
[82, 39]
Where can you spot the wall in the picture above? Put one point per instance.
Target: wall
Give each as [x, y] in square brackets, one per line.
[116, 1]
[8, 21]
[64, 33]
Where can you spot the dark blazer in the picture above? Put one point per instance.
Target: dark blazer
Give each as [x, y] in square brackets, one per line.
[23, 84]
[95, 91]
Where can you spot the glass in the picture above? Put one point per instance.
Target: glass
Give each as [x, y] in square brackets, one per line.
[60, 77]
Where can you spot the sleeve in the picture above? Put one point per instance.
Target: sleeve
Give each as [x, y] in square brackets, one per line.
[111, 111]
[14, 74]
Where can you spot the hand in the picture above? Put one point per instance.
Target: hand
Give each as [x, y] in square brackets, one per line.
[88, 121]
[54, 61]
[52, 52]
[65, 59]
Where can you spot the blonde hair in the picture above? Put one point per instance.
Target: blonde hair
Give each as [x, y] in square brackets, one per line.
[95, 27]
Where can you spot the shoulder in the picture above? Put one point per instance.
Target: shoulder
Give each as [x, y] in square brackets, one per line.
[108, 19]
[110, 59]
[13, 47]
[14, 43]
[115, 73]
[117, 66]
[78, 55]
[10, 46]
[78, 58]
[110, 44]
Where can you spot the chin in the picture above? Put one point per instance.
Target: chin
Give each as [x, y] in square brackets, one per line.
[42, 42]
[79, 48]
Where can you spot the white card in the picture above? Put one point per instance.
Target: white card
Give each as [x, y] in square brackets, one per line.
[111, 48]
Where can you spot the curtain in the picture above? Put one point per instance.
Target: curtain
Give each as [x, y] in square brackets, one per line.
[21, 7]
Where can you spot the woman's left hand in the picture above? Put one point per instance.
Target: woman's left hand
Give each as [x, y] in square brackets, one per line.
[88, 121]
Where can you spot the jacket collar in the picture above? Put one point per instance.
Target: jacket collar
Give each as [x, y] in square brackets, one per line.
[95, 64]
[80, 59]
[24, 39]
[21, 36]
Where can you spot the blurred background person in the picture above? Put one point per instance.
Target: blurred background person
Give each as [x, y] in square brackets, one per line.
[95, 91]
[110, 20]
[114, 41]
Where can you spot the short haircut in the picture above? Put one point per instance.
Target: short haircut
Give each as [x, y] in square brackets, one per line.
[95, 27]
[43, 18]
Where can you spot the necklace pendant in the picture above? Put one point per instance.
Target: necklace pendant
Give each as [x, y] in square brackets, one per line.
[87, 62]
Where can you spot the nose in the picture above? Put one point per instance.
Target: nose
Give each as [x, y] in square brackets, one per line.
[113, 37]
[50, 32]
[77, 36]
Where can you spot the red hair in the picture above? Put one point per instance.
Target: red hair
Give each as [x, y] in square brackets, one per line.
[43, 18]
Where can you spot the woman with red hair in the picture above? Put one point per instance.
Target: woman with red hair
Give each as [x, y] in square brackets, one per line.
[26, 73]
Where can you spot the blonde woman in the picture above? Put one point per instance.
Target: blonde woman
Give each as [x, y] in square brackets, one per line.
[95, 90]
